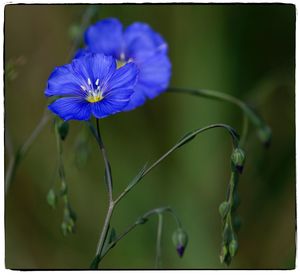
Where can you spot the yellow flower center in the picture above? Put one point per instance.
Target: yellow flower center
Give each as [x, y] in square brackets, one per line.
[120, 63]
[92, 98]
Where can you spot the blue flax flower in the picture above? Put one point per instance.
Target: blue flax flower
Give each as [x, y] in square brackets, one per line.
[137, 44]
[91, 84]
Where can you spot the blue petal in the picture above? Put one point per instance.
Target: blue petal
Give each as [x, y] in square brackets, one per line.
[62, 82]
[137, 99]
[96, 67]
[141, 42]
[81, 52]
[105, 37]
[71, 108]
[155, 75]
[125, 77]
[113, 103]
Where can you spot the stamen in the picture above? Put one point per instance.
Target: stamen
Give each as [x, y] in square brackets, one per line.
[83, 87]
[97, 82]
[89, 82]
[122, 56]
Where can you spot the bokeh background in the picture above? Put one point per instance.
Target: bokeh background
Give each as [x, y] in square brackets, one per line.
[246, 50]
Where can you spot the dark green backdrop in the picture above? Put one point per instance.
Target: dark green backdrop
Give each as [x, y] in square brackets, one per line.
[244, 50]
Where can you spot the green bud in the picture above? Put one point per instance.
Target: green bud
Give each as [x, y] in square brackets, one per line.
[227, 234]
[64, 228]
[265, 135]
[62, 128]
[223, 254]
[51, 198]
[233, 247]
[180, 240]
[68, 226]
[224, 208]
[237, 223]
[238, 159]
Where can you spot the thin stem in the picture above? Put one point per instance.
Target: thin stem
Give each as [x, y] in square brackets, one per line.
[88, 14]
[105, 228]
[108, 176]
[110, 210]
[158, 241]
[244, 131]
[254, 118]
[235, 141]
[15, 160]
[139, 221]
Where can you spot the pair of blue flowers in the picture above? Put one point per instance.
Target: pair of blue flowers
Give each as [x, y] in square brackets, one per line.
[117, 71]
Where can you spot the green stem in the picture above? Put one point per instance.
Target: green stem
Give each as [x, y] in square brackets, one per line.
[108, 175]
[110, 210]
[244, 131]
[254, 118]
[184, 140]
[22, 151]
[158, 241]
[14, 161]
[139, 221]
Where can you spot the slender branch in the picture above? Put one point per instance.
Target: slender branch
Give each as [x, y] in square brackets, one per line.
[141, 220]
[252, 115]
[15, 160]
[108, 179]
[245, 130]
[108, 175]
[187, 138]
[158, 241]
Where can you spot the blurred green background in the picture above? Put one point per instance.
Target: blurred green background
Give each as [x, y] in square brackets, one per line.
[245, 50]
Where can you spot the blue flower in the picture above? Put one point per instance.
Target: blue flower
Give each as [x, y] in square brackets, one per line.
[91, 84]
[137, 44]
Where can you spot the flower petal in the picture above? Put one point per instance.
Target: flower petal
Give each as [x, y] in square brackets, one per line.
[71, 108]
[81, 52]
[105, 37]
[96, 68]
[137, 99]
[113, 103]
[62, 82]
[155, 75]
[125, 77]
[142, 42]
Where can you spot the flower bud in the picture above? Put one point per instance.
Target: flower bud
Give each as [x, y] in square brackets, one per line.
[238, 159]
[62, 128]
[265, 135]
[233, 247]
[224, 208]
[180, 240]
[51, 198]
[223, 254]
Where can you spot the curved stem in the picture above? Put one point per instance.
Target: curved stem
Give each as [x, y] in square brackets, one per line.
[252, 115]
[245, 130]
[187, 138]
[158, 241]
[139, 221]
